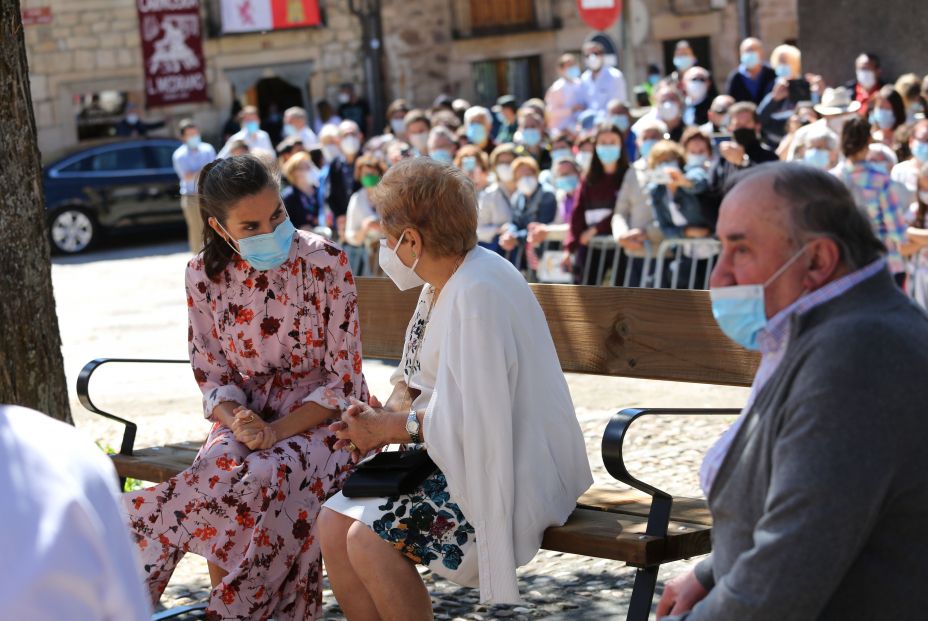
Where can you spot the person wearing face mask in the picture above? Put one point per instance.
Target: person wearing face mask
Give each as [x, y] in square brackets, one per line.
[274, 371]
[478, 123]
[620, 116]
[565, 98]
[495, 204]
[341, 179]
[700, 91]
[325, 115]
[650, 132]
[777, 106]
[396, 115]
[909, 87]
[684, 59]
[867, 82]
[532, 204]
[753, 78]
[887, 113]
[668, 109]
[188, 160]
[601, 83]
[531, 137]
[743, 151]
[717, 115]
[566, 180]
[418, 125]
[508, 118]
[917, 236]
[442, 144]
[819, 147]
[906, 172]
[302, 197]
[295, 126]
[480, 388]
[802, 279]
[133, 125]
[476, 165]
[586, 145]
[609, 186]
[351, 107]
[251, 134]
[362, 225]
[874, 192]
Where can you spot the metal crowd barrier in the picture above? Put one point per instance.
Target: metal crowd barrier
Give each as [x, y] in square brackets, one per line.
[674, 253]
[604, 244]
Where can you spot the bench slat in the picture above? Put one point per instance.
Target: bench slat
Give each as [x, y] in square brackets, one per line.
[692, 510]
[158, 463]
[628, 332]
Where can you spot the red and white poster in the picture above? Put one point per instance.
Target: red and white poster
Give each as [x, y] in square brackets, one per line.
[264, 15]
[599, 14]
[172, 51]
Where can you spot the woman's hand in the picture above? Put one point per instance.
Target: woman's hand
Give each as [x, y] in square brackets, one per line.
[587, 235]
[251, 431]
[633, 239]
[366, 427]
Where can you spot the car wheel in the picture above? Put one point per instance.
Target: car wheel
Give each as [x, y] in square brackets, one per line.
[72, 230]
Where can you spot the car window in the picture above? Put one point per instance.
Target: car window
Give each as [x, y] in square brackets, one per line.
[114, 160]
[81, 165]
[162, 156]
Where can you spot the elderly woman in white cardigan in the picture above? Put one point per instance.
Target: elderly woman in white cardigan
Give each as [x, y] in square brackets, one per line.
[481, 386]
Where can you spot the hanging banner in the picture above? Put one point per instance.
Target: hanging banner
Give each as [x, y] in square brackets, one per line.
[266, 15]
[599, 14]
[172, 52]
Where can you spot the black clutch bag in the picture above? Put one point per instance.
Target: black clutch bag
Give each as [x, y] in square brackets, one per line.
[392, 473]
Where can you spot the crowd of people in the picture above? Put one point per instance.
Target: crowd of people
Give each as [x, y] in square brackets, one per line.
[582, 163]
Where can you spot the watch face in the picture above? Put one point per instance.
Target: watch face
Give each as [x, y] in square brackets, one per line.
[412, 424]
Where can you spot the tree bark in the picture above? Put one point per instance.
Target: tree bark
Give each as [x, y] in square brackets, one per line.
[31, 366]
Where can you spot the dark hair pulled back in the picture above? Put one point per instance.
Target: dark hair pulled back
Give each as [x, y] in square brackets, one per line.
[221, 184]
[855, 136]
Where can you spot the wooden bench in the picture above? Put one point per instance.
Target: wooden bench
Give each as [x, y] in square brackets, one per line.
[642, 333]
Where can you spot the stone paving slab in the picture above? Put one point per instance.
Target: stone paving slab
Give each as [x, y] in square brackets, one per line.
[131, 303]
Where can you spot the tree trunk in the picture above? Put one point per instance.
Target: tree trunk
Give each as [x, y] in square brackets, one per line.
[31, 367]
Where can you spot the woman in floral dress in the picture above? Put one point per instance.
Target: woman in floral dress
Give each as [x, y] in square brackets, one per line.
[275, 346]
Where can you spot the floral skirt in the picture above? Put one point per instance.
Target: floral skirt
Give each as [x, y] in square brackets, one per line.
[426, 526]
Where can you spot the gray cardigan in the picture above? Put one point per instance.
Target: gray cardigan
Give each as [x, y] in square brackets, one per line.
[820, 508]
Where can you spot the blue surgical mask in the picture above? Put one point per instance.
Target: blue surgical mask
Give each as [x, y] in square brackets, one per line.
[884, 118]
[920, 150]
[468, 163]
[573, 72]
[561, 154]
[783, 70]
[750, 59]
[267, 251]
[653, 79]
[694, 160]
[820, 158]
[397, 126]
[608, 153]
[620, 121]
[646, 147]
[441, 155]
[252, 127]
[194, 141]
[531, 137]
[476, 133]
[567, 183]
[289, 130]
[740, 310]
[682, 63]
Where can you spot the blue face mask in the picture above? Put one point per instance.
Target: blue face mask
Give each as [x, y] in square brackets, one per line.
[820, 158]
[783, 70]
[682, 63]
[653, 79]
[476, 133]
[740, 310]
[441, 155]
[608, 153]
[567, 183]
[561, 154]
[531, 137]
[252, 127]
[883, 118]
[267, 251]
[646, 147]
[620, 121]
[289, 130]
[469, 163]
[750, 59]
[920, 151]
[695, 160]
[194, 141]
[573, 72]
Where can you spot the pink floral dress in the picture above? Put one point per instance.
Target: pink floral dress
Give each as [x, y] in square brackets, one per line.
[272, 340]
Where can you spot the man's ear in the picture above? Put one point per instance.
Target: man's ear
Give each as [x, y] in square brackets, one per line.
[824, 258]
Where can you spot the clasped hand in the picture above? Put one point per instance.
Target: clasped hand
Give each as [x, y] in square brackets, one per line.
[363, 426]
[251, 431]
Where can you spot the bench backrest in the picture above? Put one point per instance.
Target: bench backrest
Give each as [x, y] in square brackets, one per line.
[646, 333]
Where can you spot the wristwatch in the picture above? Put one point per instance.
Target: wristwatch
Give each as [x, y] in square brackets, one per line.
[413, 427]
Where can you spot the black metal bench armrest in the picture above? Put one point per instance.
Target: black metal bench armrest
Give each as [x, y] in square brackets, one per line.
[83, 394]
[614, 459]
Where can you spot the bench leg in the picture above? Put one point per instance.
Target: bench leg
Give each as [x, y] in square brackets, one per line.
[639, 608]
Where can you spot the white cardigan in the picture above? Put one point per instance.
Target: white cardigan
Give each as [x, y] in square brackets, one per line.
[500, 423]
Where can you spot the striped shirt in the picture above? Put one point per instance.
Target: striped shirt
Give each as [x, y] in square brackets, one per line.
[773, 341]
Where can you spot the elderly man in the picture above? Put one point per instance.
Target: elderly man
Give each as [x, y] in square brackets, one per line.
[443, 145]
[700, 91]
[753, 78]
[601, 83]
[478, 126]
[819, 492]
[295, 126]
[251, 134]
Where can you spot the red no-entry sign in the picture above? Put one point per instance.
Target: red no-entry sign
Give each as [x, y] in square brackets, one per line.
[599, 14]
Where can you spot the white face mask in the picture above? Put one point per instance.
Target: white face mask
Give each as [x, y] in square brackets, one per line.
[527, 185]
[867, 78]
[419, 141]
[402, 276]
[585, 158]
[594, 62]
[668, 110]
[696, 90]
[331, 151]
[350, 145]
[504, 172]
[312, 177]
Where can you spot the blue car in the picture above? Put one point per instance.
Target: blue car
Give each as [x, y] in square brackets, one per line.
[112, 186]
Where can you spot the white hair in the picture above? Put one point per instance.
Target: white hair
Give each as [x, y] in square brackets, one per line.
[296, 112]
[348, 126]
[885, 151]
[821, 131]
[648, 124]
[477, 111]
[328, 131]
[440, 131]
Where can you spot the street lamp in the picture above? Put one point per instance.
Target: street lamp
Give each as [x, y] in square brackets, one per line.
[368, 12]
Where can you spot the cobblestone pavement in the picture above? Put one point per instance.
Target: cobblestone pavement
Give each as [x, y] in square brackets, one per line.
[130, 302]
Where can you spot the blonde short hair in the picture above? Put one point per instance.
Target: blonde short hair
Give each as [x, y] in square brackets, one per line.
[525, 160]
[793, 57]
[436, 200]
[664, 150]
[295, 161]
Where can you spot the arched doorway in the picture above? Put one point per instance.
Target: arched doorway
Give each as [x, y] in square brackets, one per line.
[274, 95]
